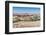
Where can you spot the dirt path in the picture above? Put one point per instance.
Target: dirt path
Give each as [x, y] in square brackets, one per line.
[23, 24]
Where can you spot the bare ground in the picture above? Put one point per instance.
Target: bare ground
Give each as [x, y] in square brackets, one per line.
[23, 24]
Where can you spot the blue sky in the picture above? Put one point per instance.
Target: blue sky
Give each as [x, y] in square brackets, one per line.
[26, 10]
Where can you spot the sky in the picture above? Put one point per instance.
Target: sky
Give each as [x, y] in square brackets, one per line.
[26, 10]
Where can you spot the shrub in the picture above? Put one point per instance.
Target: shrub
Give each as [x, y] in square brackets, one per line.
[35, 18]
[15, 19]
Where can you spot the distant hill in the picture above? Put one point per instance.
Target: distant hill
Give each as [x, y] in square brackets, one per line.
[26, 14]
